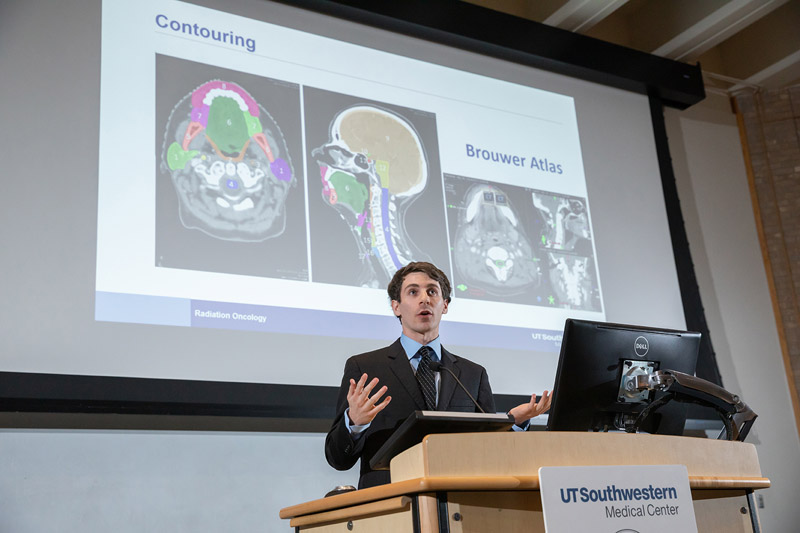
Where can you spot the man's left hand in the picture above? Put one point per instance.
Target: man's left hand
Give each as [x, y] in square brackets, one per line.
[532, 409]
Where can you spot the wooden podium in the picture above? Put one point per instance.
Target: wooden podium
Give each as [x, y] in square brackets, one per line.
[486, 482]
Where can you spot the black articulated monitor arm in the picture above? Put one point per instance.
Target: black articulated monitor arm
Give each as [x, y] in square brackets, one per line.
[736, 415]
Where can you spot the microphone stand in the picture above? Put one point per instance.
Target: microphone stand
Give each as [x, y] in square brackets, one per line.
[436, 366]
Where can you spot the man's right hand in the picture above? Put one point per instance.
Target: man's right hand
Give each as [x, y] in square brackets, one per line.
[363, 408]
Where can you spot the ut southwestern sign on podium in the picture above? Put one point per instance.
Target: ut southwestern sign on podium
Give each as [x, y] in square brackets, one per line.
[617, 499]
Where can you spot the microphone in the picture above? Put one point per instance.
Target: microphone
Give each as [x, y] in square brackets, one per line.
[436, 366]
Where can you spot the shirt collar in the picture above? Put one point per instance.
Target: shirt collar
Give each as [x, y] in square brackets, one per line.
[412, 347]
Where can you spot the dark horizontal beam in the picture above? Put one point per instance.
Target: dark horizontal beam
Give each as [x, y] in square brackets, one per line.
[276, 404]
[61, 393]
[477, 29]
[121, 395]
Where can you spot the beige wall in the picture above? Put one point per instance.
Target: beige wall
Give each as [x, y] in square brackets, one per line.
[770, 122]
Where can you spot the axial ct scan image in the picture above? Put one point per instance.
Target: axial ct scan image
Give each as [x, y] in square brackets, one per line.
[227, 194]
[491, 247]
[228, 163]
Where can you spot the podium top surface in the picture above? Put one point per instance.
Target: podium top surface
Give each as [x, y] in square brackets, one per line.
[521, 454]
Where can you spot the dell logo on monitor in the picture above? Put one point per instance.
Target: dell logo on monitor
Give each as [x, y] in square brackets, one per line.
[641, 346]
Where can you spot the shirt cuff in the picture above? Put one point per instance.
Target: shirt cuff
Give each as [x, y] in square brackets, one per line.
[522, 427]
[355, 430]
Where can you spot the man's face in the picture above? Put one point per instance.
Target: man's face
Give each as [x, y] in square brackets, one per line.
[421, 307]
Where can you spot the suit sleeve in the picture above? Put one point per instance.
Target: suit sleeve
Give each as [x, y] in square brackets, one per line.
[341, 450]
[485, 396]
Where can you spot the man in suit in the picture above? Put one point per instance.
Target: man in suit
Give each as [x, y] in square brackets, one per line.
[420, 294]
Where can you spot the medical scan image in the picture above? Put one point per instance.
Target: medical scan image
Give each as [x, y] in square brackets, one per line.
[491, 248]
[229, 163]
[567, 222]
[566, 238]
[571, 279]
[520, 245]
[371, 169]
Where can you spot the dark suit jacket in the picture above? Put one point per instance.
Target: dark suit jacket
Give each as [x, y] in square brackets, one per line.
[391, 366]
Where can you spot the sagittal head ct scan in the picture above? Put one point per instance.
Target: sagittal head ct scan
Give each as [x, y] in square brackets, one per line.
[229, 164]
[372, 168]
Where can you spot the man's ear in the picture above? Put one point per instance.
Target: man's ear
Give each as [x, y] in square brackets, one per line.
[444, 309]
[395, 305]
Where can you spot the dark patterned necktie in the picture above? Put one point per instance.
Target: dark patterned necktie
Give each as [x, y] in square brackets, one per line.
[426, 378]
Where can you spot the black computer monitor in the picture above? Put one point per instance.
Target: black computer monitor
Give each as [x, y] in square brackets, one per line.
[598, 362]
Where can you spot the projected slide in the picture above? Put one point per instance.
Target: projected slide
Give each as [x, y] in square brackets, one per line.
[275, 180]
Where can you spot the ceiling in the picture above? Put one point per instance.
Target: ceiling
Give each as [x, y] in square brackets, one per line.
[738, 43]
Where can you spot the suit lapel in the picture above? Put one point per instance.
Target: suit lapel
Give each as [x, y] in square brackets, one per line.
[398, 362]
[448, 383]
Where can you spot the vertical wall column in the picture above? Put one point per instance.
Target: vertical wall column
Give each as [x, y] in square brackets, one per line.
[769, 123]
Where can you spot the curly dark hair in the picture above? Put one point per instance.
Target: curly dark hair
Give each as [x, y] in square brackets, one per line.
[426, 268]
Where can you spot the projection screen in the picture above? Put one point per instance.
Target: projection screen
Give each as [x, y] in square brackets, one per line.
[225, 191]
